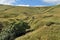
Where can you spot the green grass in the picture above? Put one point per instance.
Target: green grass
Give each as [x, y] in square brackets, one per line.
[44, 21]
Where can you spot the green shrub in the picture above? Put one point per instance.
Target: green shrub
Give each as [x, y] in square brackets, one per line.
[13, 30]
[1, 26]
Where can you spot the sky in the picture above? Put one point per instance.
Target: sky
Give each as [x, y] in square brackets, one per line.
[30, 2]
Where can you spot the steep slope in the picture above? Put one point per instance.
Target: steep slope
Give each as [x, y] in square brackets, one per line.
[44, 21]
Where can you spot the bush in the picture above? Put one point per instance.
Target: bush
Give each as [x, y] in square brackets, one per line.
[1, 26]
[14, 30]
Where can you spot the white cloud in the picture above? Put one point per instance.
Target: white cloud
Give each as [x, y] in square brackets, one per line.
[7, 2]
[52, 1]
[31, 6]
[40, 5]
[10, 2]
[22, 5]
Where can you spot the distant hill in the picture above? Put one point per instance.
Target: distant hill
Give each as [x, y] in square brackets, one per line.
[43, 21]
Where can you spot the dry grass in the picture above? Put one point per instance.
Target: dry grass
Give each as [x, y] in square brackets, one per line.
[37, 18]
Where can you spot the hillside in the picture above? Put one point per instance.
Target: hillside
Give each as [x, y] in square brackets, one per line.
[29, 23]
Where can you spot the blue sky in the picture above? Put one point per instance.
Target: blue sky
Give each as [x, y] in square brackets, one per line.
[30, 2]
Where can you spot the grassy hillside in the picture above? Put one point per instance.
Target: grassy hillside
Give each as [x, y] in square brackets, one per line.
[39, 23]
